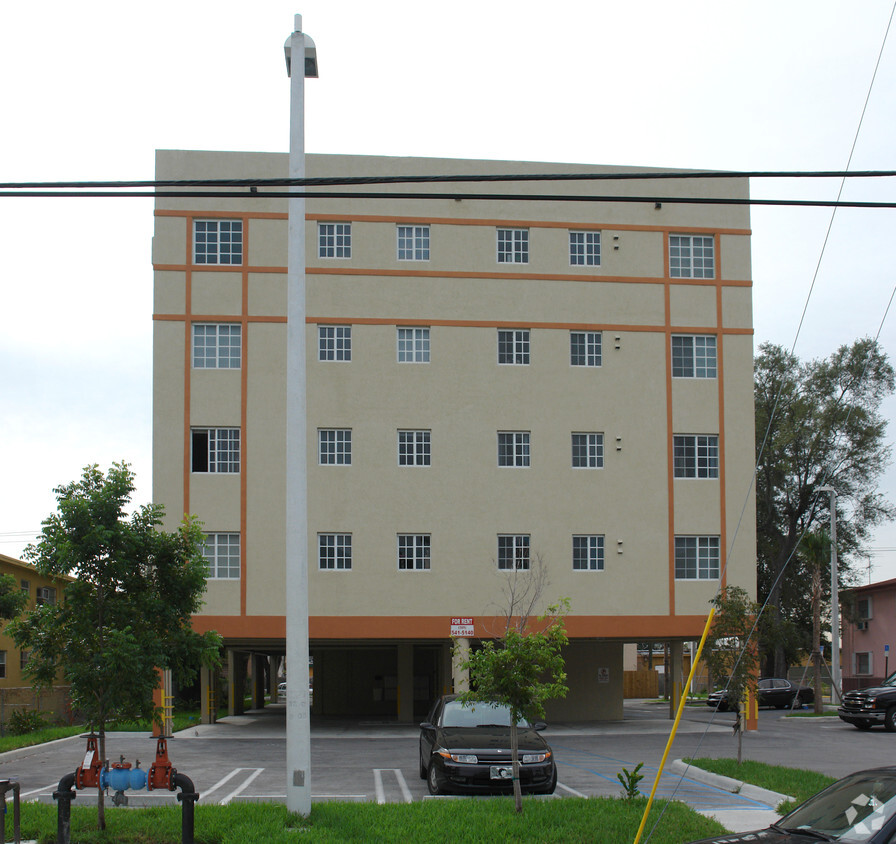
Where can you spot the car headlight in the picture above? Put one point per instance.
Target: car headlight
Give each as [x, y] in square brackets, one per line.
[530, 758]
[462, 758]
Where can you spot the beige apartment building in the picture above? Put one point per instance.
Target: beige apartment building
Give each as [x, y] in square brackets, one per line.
[494, 386]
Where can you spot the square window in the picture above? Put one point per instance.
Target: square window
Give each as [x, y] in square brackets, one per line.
[513, 448]
[222, 554]
[215, 449]
[413, 345]
[695, 456]
[588, 553]
[863, 663]
[585, 348]
[413, 552]
[584, 249]
[334, 551]
[413, 243]
[513, 552]
[334, 342]
[691, 256]
[693, 356]
[216, 346]
[697, 558]
[513, 246]
[587, 451]
[45, 595]
[513, 346]
[334, 446]
[414, 448]
[218, 242]
[334, 240]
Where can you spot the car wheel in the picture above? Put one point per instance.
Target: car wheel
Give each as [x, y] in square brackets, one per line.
[862, 725]
[890, 720]
[434, 782]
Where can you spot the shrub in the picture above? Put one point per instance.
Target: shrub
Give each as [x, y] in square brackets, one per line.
[24, 721]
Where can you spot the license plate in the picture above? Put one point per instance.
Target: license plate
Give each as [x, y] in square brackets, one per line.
[501, 772]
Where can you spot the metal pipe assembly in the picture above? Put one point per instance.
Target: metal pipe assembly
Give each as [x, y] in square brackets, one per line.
[11, 785]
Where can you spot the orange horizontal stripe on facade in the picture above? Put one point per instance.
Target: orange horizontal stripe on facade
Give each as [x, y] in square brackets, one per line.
[630, 628]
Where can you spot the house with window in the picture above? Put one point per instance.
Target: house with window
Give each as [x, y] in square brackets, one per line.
[497, 387]
[868, 633]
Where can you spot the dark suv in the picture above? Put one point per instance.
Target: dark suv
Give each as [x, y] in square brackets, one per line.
[866, 707]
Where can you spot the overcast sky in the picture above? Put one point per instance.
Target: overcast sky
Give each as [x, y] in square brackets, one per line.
[91, 89]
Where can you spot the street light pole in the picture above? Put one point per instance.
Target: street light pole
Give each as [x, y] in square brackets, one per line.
[835, 597]
[301, 61]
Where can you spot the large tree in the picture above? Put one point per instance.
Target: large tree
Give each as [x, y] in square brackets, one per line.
[127, 613]
[12, 598]
[818, 423]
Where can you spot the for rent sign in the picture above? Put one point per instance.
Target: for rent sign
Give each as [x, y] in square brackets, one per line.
[461, 628]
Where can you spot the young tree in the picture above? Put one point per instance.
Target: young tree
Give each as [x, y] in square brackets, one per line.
[521, 669]
[817, 424]
[730, 652]
[127, 613]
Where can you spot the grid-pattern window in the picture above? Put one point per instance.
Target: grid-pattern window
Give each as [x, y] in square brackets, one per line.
[414, 448]
[334, 551]
[588, 553]
[695, 455]
[513, 346]
[217, 345]
[413, 243]
[584, 249]
[334, 240]
[218, 242]
[222, 554]
[587, 451]
[691, 256]
[585, 348]
[26, 586]
[513, 552]
[863, 663]
[334, 446]
[334, 342]
[23, 659]
[45, 595]
[413, 345]
[413, 552]
[863, 608]
[215, 449]
[2, 665]
[513, 448]
[693, 356]
[697, 558]
[513, 246]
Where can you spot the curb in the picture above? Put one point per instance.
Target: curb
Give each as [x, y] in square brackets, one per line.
[752, 792]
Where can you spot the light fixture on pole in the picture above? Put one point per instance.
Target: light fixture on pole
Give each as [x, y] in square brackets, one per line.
[835, 597]
[298, 715]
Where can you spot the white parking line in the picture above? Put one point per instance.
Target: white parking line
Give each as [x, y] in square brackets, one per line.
[570, 790]
[249, 779]
[402, 784]
[47, 788]
[227, 779]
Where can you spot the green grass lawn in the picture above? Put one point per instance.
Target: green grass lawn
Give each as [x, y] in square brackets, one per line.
[595, 820]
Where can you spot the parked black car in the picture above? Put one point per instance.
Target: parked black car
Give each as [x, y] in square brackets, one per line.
[771, 692]
[466, 748]
[860, 809]
[867, 707]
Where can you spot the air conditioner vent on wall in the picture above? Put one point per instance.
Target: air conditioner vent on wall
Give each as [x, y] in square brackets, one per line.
[861, 625]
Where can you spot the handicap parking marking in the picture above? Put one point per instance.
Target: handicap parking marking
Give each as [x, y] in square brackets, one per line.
[381, 791]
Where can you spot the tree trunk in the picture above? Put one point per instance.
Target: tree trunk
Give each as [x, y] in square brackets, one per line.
[816, 637]
[100, 794]
[515, 758]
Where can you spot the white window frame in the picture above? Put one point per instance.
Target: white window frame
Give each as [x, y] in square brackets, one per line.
[585, 348]
[218, 242]
[334, 240]
[217, 345]
[695, 356]
[588, 552]
[513, 551]
[855, 662]
[414, 551]
[334, 343]
[513, 246]
[695, 456]
[869, 608]
[334, 551]
[584, 248]
[412, 243]
[221, 450]
[222, 555]
[334, 446]
[412, 344]
[587, 450]
[514, 449]
[703, 558]
[414, 447]
[691, 256]
[45, 595]
[514, 346]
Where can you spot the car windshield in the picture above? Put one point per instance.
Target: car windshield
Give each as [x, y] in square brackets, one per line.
[851, 810]
[457, 714]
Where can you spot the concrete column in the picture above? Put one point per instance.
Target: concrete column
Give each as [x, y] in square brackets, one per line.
[405, 682]
[676, 675]
[208, 705]
[236, 681]
[276, 661]
[459, 676]
[259, 664]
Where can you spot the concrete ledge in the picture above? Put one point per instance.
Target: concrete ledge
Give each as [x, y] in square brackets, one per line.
[752, 792]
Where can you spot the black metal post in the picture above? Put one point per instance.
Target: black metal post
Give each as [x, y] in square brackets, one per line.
[188, 797]
[64, 797]
[7, 785]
